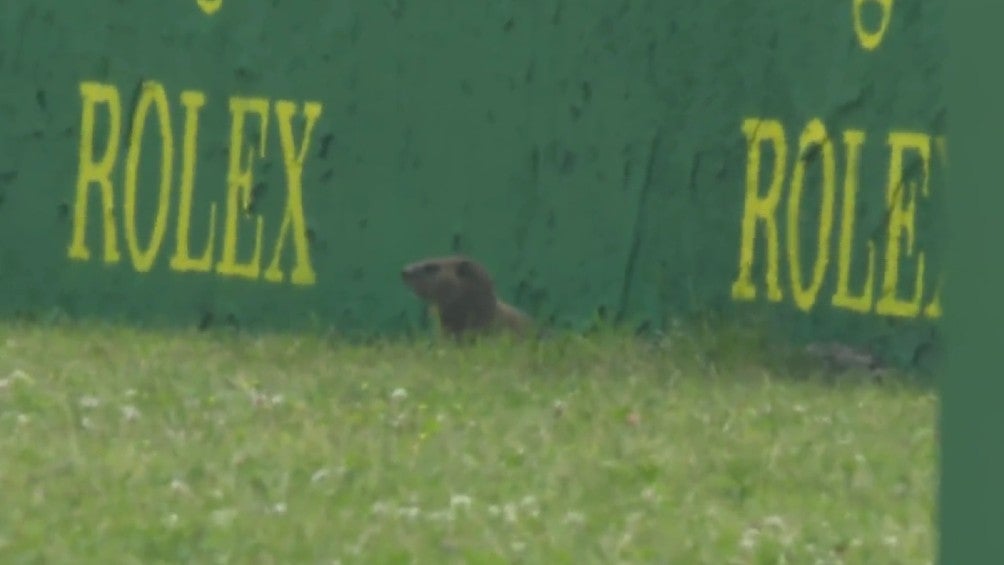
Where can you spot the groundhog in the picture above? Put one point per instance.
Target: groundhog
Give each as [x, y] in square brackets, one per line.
[463, 294]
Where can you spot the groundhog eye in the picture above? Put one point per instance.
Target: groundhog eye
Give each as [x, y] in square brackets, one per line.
[431, 269]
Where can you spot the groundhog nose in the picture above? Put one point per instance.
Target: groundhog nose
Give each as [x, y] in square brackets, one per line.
[406, 272]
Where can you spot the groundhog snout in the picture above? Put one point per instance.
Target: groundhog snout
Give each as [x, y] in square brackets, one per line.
[409, 271]
[415, 271]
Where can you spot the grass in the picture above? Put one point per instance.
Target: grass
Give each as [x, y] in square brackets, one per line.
[118, 446]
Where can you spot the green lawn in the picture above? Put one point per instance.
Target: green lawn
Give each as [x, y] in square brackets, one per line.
[118, 446]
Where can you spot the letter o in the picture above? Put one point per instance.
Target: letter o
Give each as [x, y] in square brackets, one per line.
[153, 94]
[870, 39]
[813, 134]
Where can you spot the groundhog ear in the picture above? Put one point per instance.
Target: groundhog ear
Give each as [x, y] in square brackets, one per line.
[465, 269]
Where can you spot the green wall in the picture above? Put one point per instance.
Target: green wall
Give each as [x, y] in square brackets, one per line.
[597, 155]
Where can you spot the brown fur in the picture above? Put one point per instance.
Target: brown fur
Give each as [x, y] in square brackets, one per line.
[463, 293]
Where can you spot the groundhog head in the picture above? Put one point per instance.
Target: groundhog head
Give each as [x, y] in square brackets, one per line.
[445, 281]
[463, 294]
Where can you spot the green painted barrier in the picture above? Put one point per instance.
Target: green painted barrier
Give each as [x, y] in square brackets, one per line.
[274, 164]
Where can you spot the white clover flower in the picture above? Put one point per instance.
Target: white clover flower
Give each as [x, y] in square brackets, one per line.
[130, 413]
[89, 402]
[257, 398]
[19, 375]
[509, 512]
[410, 512]
[223, 517]
[649, 494]
[399, 394]
[171, 520]
[319, 475]
[179, 486]
[460, 500]
[774, 521]
[531, 506]
[573, 517]
[440, 516]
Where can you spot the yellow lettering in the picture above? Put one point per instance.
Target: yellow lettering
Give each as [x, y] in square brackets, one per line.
[91, 171]
[853, 140]
[870, 39]
[760, 208]
[210, 7]
[239, 183]
[303, 273]
[901, 219]
[182, 260]
[941, 144]
[933, 310]
[814, 134]
[152, 94]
